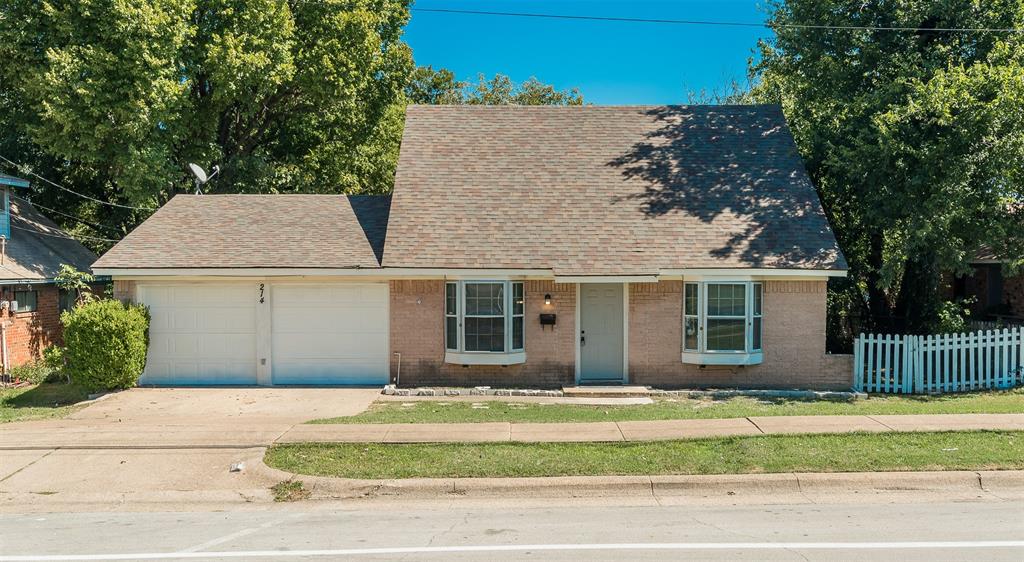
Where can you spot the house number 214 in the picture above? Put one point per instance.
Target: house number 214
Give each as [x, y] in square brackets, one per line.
[261, 293]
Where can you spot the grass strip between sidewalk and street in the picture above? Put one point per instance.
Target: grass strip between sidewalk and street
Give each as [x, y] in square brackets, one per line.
[852, 452]
[462, 411]
[42, 401]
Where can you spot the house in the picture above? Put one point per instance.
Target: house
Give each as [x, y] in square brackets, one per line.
[32, 249]
[673, 246]
[995, 298]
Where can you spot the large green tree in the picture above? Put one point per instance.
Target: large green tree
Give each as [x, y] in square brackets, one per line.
[915, 139]
[114, 98]
[429, 86]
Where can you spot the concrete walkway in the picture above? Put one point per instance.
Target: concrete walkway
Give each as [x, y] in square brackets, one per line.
[641, 430]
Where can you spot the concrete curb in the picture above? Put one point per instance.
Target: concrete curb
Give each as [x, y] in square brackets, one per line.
[667, 486]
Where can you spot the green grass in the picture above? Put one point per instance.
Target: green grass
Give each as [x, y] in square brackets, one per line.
[856, 452]
[43, 401]
[387, 411]
[289, 491]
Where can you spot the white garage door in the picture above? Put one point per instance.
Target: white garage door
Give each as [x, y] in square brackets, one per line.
[330, 334]
[200, 333]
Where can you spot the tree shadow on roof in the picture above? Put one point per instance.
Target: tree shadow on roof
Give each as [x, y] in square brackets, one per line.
[735, 169]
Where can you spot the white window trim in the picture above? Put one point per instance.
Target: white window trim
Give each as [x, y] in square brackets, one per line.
[704, 356]
[459, 355]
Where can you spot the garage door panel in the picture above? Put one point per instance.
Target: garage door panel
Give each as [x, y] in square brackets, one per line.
[330, 334]
[200, 333]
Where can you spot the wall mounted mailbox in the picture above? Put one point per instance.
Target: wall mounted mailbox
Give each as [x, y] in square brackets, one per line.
[547, 319]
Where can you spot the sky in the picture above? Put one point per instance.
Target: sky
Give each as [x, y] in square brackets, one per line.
[610, 62]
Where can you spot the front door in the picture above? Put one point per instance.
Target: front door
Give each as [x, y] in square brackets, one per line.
[600, 337]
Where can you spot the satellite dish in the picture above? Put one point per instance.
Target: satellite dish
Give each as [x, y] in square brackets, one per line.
[200, 174]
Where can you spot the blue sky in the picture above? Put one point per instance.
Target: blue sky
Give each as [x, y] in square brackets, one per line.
[610, 62]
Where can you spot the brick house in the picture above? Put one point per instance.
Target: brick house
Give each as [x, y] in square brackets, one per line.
[679, 246]
[32, 249]
[993, 295]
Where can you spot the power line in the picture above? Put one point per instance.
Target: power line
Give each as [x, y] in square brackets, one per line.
[719, 23]
[15, 164]
[70, 216]
[63, 234]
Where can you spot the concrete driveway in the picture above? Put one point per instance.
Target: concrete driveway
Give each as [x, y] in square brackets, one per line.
[173, 445]
[225, 405]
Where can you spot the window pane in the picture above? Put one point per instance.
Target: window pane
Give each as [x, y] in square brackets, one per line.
[726, 300]
[690, 302]
[517, 332]
[450, 298]
[485, 334]
[690, 328]
[757, 333]
[517, 298]
[485, 299]
[451, 332]
[757, 299]
[26, 301]
[725, 335]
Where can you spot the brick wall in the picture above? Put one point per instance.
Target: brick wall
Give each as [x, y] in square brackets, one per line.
[417, 332]
[1013, 294]
[793, 341]
[29, 333]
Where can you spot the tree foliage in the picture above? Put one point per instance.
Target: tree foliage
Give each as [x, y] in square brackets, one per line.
[429, 86]
[115, 98]
[915, 139]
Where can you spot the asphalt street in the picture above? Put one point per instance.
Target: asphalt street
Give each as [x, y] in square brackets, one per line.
[503, 530]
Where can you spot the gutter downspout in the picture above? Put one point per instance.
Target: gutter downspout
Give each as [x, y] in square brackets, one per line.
[3, 344]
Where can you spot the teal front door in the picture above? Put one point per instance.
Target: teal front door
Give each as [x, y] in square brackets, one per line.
[601, 332]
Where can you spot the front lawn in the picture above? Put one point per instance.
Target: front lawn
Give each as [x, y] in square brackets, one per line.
[856, 452]
[423, 411]
[43, 401]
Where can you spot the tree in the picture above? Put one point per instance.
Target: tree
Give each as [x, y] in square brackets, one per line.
[915, 139]
[115, 98]
[70, 279]
[429, 86]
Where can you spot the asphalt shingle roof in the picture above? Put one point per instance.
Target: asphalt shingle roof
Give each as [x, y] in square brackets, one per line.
[37, 247]
[614, 190]
[264, 231]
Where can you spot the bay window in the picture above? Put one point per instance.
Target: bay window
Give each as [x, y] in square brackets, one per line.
[484, 322]
[722, 322]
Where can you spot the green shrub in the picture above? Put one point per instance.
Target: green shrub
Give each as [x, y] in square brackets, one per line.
[53, 359]
[105, 344]
[35, 371]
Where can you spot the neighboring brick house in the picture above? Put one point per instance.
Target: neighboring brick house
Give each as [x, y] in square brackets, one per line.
[993, 295]
[678, 246]
[32, 249]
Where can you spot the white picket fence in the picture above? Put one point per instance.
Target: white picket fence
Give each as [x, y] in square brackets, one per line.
[940, 363]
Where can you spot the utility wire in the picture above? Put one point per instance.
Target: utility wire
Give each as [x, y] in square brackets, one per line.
[63, 234]
[55, 211]
[15, 164]
[720, 23]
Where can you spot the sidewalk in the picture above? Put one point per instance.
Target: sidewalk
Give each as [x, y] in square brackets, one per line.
[642, 430]
[92, 434]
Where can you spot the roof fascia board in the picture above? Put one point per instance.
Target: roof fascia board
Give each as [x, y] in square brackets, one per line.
[606, 279]
[752, 272]
[125, 273]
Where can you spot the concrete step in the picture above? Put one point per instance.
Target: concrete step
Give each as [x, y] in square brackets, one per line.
[617, 391]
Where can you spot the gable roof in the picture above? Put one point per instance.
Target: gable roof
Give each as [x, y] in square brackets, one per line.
[264, 231]
[592, 190]
[37, 247]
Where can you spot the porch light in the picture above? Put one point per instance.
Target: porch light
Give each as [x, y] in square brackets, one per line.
[547, 299]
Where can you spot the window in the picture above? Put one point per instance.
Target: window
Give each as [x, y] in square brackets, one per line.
[722, 323]
[691, 318]
[484, 317]
[756, 319]
[67, 300]
[26, 301]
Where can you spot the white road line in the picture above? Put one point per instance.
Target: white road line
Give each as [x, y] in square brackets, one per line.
[527, 547]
